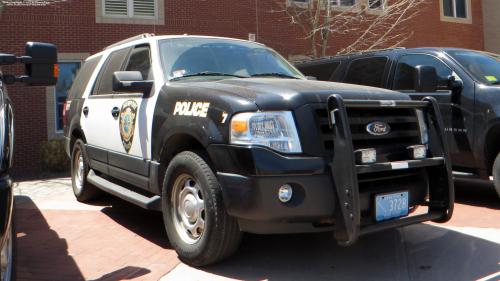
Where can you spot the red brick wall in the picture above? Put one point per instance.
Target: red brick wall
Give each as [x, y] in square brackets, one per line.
[72, 28]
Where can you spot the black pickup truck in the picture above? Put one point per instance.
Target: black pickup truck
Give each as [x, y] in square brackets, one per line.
[225, 136]
[40, 70]
[468, 96]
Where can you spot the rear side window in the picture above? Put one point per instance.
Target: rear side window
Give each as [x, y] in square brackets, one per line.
[140, 61]
[82, 78]
[368, 72]
[105, 79]
[322, 72]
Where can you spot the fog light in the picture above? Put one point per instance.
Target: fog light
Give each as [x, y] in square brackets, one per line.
[285, 193]
[417, 151]
[365, 156]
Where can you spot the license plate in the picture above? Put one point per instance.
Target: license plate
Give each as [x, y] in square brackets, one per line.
[392, 205]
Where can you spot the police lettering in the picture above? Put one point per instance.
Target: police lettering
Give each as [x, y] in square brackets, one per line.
[192, 108]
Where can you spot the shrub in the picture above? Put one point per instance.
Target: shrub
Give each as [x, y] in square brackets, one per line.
[53, 156]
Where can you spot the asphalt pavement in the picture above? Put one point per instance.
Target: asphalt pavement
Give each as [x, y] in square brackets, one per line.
[466, 248]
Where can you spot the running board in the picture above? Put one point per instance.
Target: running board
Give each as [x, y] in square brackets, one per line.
[153, 203]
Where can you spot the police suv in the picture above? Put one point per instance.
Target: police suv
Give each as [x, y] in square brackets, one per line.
[225, 136]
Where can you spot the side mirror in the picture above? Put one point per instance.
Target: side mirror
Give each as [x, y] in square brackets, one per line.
[450, 83]
[426, 78]
[40, 62]
[131, 82]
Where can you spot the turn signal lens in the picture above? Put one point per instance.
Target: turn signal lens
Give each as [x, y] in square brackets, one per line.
[56, 70]
[240, 126]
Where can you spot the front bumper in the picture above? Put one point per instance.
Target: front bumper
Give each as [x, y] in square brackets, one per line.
[332, 193]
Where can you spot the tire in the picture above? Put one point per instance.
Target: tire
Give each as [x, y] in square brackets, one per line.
[200, 229]
[496, 174]
[83, 190]
[10, 248]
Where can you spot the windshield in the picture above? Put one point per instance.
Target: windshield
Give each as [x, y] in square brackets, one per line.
[222, 58]
[484, 67]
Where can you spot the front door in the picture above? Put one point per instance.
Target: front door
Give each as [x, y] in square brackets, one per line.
[128, 130]
[458, 120]
[97, 110]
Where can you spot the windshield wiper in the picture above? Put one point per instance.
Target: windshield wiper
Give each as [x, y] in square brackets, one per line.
[207, 73]
[279, 74]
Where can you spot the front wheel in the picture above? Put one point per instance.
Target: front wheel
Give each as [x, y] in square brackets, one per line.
[198, 226]
[496, 174]
[8, 257]
[83, 190]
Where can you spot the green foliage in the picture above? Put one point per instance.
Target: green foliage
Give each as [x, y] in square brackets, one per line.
[53, 156]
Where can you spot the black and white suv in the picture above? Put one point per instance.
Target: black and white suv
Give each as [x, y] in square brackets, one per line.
[224, 136]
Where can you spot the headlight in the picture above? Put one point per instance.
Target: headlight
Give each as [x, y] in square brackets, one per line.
[275, 130]
[424, 137]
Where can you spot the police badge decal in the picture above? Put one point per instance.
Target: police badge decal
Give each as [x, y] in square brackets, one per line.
[128, 115]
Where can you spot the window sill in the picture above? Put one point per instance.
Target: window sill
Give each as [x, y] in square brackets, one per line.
[127, 20]
[350, 9]
[456, 20]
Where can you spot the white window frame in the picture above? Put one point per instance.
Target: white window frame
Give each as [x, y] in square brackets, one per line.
[468, 8]
[454, 9]
[130, 11]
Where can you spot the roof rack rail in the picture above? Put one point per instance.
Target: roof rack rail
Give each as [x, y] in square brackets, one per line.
[350, 54]
[138, 37]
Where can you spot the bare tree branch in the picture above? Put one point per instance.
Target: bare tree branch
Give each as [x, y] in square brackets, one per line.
[319, 20]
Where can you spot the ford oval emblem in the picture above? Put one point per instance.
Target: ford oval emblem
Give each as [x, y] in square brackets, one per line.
[378, 128]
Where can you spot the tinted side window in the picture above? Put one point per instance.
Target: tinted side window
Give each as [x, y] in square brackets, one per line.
[404, 78]
[82, 78]
[368, 72]
[140, 61]
[322, 72]
[105, 79]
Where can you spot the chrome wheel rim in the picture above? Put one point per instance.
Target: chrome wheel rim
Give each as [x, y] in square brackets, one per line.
[188, 209]
[79, 170]
[6, 256]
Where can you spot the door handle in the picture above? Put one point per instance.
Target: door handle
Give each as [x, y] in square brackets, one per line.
[86, 110]
[115, 111]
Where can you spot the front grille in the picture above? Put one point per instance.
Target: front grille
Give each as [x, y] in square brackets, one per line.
[390, 147]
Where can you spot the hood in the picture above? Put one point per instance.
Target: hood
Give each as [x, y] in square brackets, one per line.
[287, 94]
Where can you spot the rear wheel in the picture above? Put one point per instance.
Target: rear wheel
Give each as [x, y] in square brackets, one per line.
[496, 174]
[83, 190]
[198, 226]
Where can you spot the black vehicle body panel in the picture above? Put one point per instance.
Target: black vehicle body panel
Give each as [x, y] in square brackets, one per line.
[470, 115]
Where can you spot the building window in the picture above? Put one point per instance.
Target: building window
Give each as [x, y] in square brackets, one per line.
[67, 74]
[376, 4]
[130, 8]
[455, 8]
[337, 3]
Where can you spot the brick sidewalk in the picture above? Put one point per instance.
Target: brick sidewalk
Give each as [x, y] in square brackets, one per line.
[62, 239]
